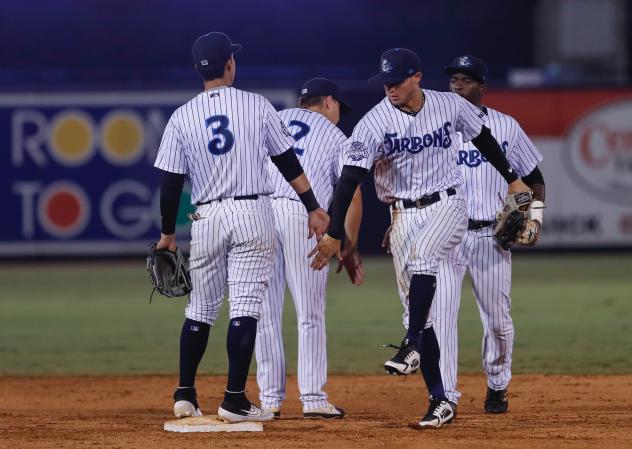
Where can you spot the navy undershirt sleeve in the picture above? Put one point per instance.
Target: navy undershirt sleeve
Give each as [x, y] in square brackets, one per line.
[488, 146]
[350, 179]
[170, 190]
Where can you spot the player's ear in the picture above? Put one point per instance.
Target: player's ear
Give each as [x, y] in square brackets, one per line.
[482, 88]
[417, 76]
[329, 102]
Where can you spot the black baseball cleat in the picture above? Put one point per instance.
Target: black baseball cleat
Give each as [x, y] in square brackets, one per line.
[439, 413]
[496, 401]
[185, 403]
[406, 360]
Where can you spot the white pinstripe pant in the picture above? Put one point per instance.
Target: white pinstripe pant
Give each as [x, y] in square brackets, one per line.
[490, 269]
[231, 245]
[308, 289]
[421, 238]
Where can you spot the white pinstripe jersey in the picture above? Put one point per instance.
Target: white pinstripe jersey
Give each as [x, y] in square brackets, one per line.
[414, 155]
[222, 139]
[318, 146]
[482, 182]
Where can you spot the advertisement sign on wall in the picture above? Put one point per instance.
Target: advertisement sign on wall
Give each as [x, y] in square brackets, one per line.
[586, 140]
[77, 171]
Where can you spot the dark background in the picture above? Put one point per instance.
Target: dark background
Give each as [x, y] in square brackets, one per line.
[146, 43]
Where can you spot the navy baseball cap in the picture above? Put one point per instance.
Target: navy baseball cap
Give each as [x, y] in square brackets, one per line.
[396, 65]
[324, 87]
[469, 65]
[212, 49]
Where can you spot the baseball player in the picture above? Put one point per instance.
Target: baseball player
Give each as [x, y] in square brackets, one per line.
[222, 139]
[318, 146]
[411, 136]
[479, 253]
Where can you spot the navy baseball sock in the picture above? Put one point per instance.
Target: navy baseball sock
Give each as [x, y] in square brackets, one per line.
[420, 295]
[240, 344]
[193, 340]
[429, 355]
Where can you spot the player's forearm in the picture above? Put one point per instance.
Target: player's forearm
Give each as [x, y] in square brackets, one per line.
[488, 146]
[535, 181]
[304, 190]
[300, 184]
[292, 171]
[538, 192]
[353, 219]
[349, 181]
[170, 190]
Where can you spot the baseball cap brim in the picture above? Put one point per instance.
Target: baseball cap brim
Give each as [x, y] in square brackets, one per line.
[234, 48]
[344, 107]
[451, 70]
[380, 79]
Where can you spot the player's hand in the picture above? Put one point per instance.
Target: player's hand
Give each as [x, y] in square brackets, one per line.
[531, 233]
[386, 241]
[325, 249]
[168, 242]
[518, 186]
[317, 223]
[352, 262]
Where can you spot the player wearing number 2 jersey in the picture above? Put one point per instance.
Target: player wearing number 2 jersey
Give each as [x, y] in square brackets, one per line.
[318, 146]
[222, 139]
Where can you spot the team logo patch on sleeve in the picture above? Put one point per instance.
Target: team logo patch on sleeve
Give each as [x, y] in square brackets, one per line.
[284, 129]
[357, 151]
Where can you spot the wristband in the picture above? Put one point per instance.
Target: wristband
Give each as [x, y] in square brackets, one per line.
[535, 211]
[309, 200]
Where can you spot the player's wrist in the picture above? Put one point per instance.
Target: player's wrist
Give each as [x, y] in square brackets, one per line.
[335, 235]
[517, 186]
[167, 241]
[309, 200]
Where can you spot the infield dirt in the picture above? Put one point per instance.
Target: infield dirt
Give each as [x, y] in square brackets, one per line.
[129, 412]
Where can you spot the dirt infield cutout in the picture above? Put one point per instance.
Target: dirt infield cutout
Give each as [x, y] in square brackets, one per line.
[129, 412]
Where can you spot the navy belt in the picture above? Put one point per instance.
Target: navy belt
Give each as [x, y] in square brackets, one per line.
[426, 200]
[473, 225]
[236, 198]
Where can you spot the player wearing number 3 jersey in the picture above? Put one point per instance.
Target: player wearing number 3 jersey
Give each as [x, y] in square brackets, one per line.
[318, 146]
[223, 139]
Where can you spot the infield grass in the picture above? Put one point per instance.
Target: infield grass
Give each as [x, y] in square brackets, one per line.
[573, 314]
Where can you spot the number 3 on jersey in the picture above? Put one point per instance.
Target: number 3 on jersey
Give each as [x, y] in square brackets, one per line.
[219, 127]
[303, 129]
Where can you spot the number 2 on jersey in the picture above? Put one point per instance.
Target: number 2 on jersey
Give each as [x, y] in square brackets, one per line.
[215, 145]
[302, 132]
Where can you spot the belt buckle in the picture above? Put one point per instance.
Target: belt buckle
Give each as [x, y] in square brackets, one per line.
[419, 204]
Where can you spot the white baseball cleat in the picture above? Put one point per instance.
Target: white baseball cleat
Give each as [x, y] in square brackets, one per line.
[231, 413]
[406, 361]
[276, 411]
[330, 411]
[185, 403]
[439, 413]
